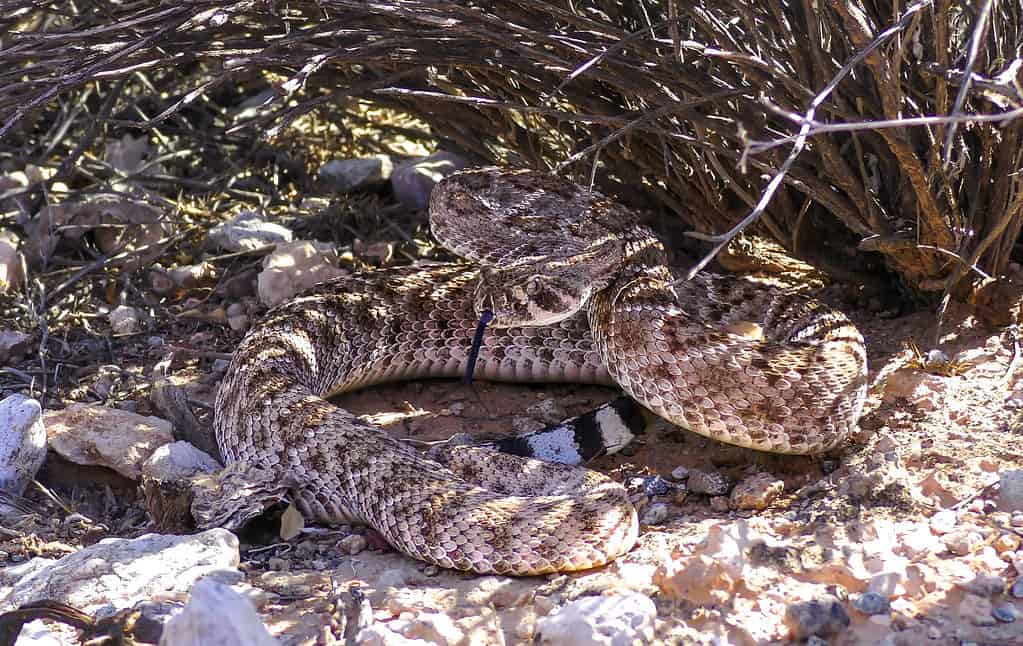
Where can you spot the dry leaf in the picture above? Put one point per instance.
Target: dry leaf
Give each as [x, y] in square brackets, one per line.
[292, 523]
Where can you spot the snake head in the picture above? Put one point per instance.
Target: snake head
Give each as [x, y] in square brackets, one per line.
[530, 295]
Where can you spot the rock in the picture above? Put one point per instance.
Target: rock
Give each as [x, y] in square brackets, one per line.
[871, 603]
[108, 437]
[1010, 492]
[178, 461]
[719, 504]
[698, 579]
[434, 628]
[295, 267]
[984, 585]
[352, 544]
[238, 323]
[164, 281]
[614, 620]
[943, 522]
[548, 410]
[962, 541]
[117, 573]
[1006, 614]
[1017, 588]
[376, 253]
[247, 231]
[11, 274]
[654, 514]
[37, 633]
[413, 180]
[216, 615]
[380, 635]
[132, 155]
[822, 617]
[920, 542]
[22, 442]
[711, 483]
[348, 175]
[13, 344]
[923, 390]
[976, 610]
[756, 492]
[124, 319]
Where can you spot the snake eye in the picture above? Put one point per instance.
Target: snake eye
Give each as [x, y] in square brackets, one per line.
[533, 286]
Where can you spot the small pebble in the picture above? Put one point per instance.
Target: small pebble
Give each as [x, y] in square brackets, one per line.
[1010, 490]
[962, 542]
[1017, 519]
[352, 544]
[822, 617]
[654, 514]
[1007, 543]
[943, 522]
[1017, 588]
[719, 504]
[1004, 614]
[431, 570]
[756, 492]
[871, 603]
[679, 473]
[711, 483]
[656, 486]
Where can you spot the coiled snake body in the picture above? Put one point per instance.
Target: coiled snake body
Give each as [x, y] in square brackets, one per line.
[580, 293]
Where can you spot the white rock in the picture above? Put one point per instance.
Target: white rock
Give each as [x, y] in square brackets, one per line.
[413, 181]
[124, 319]
[654, 514]
[295, 267]
[107, 437]
[36, 633]
[615, 620]
[920, 542]
[22, 442]
[216, 615]
[11, 275]
[381, 635]
[347, 175]
[178, 461]
[117, 573]
[12, 343]
[435, 628]
[247, 231]
[1010, 492]
[962, 541]
[943, 522]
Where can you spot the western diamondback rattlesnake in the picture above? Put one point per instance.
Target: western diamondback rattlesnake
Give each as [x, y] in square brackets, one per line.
[581, 293]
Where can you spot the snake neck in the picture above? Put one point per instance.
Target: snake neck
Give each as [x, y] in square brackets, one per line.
[644, 270]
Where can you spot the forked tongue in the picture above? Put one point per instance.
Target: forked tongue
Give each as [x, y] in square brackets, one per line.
[477, 342]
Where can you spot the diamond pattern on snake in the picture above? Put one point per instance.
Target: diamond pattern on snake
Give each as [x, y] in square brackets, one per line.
[579, 291]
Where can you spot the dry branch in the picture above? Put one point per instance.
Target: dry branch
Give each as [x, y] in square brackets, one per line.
[669, 98]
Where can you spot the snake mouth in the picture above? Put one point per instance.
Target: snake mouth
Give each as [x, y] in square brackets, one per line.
[477, 342]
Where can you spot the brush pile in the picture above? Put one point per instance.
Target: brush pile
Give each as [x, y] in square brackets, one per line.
[687, 108]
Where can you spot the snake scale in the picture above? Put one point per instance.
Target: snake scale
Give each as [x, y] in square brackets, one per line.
[580, 292]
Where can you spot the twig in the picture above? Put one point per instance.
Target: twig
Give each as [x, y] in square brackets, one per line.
[976, 38]
[818, 128]
[953, 254]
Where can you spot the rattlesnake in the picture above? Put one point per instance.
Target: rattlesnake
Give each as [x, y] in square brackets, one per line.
[580, 292]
